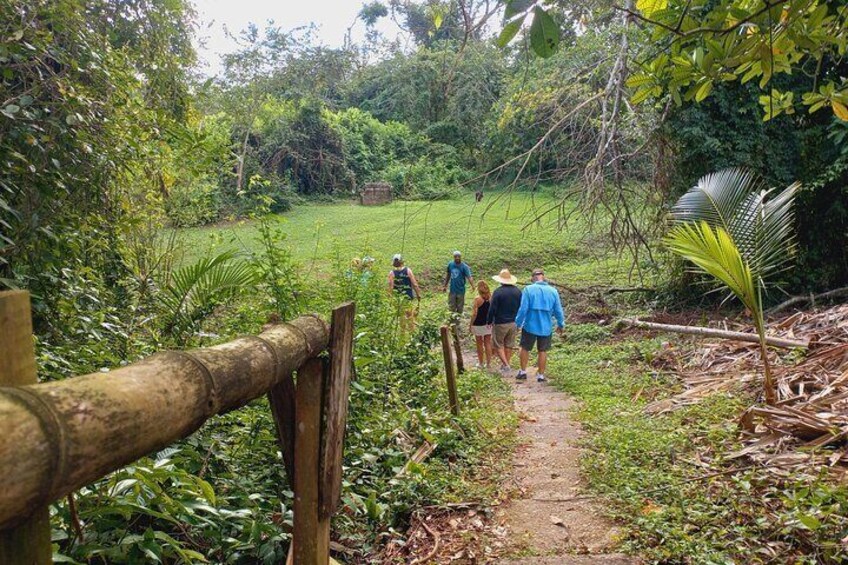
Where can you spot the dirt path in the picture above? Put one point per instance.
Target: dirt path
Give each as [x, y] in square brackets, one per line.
[544, 529]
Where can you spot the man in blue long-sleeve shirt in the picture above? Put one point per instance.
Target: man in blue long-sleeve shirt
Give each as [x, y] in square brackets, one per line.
[540, 303]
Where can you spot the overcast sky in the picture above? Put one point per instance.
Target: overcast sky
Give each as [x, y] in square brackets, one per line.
[332, 16]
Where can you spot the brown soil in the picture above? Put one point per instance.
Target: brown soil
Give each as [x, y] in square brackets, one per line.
[549, 522]
[547, 518]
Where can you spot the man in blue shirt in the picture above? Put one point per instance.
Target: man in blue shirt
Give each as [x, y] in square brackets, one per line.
[457, 273]
[539, 303]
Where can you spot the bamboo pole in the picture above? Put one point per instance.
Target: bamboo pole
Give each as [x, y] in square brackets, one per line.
[28, 542]
[311, 535]
[712, 332]
[59, 436]
[460, 362]
[451, 378]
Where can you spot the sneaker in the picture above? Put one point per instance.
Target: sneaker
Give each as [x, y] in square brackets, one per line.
[521, 376]
[540, 378]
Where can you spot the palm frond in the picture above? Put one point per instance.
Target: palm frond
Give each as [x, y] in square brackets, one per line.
[713, 251]
[760, 224]
[716, 198]
[195, 290]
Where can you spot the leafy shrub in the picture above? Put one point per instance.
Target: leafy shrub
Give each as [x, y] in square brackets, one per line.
[586, 333]
[193, 204]
[424, 179]
[277, 272]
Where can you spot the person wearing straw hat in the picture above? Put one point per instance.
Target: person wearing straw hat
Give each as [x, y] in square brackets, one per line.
[457, 273]
[503, 308]
[540, 303]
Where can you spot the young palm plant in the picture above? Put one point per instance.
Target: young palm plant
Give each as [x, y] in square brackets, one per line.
[194, 291]
[733, 228]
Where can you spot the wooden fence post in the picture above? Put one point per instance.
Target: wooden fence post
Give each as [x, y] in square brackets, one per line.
[311, 536]
[336, 394]
[451, 378]
[28, 543]
[460, 362]
[282, 400]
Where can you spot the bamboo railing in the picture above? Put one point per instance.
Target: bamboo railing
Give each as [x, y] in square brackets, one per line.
[57, 437]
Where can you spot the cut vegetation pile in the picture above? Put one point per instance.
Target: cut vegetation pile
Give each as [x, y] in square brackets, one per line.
[809, 422]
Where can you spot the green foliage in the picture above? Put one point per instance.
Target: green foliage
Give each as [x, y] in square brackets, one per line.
[371, 146]
[440, 92]
[325, 152]
[713, 42]
[277, 272]
[759, 223]
[714, 251]
[727, 228]
[544, 31]
[191, 293]
[425, 179]
[550, 100]
[642, 465]
[92, 92]
[726, 130]
[222, 496]
[192, 204]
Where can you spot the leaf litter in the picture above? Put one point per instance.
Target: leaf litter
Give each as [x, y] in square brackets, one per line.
[808, 425]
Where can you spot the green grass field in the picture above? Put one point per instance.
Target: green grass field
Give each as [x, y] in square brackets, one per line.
[499, 232]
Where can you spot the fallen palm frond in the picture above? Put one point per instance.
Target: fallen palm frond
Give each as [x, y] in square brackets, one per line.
[809, 420]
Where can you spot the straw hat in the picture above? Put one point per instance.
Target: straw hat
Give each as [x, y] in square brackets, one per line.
[505, 277]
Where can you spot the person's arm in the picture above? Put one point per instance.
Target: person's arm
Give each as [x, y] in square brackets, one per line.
[468, 276]
[558, 313]
[414, 283]
[447, 279]
[474, 306]
[493, 308]
[521, 316]
[391, 281]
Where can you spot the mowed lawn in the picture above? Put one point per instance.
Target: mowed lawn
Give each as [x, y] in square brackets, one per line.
[504, 230]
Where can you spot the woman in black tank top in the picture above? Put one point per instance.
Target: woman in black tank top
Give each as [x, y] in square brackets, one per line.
[478, 326]
[402, 282]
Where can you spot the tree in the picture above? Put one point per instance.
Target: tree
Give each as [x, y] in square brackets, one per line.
[445, 94]
[697, 44]
[83, 106]
[732, 228]
[250, 75]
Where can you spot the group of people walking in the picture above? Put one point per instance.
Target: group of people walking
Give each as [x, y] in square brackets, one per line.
[497, 318]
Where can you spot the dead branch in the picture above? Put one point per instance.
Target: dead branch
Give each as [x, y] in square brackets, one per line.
[811, 298]
[434, 551]
[616, 290]
[419, 456]
[712, 332]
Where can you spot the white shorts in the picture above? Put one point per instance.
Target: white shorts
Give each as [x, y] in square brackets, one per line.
[481, 330]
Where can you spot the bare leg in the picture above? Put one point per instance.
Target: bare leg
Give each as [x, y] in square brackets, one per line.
[510, 351]
[413, 319]
[501, 351]
[543, 361]
[480, 352]
[523, 358]
[487, 345]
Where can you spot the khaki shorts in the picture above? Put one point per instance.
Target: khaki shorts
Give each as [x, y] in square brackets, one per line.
[504, 335]
[481, 330]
